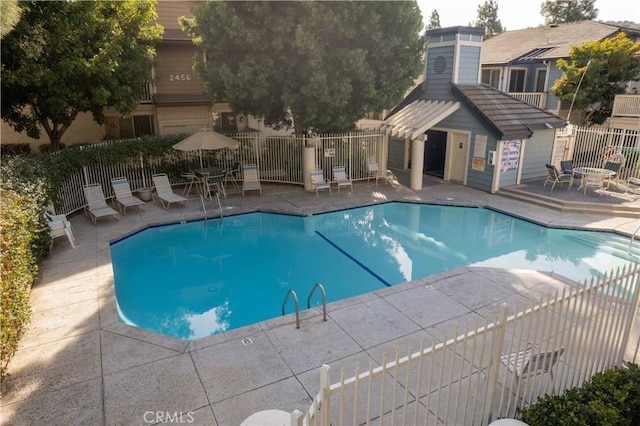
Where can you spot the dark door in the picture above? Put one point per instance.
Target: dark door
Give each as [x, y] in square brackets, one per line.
[435, 149]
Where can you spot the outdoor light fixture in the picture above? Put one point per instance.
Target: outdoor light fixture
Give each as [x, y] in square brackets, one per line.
[578, 88]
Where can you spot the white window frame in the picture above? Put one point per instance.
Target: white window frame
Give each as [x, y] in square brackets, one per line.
[524, 80]
[491, 72]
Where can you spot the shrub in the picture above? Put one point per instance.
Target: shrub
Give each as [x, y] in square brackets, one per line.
[609, 398]
[15, 149]
[18, 270]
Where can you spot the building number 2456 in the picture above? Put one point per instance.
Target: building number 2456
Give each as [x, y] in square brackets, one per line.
[179, 77]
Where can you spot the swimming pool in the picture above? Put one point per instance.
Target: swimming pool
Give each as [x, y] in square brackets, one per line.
[199, 278]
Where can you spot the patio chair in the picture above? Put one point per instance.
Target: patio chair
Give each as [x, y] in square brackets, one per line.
[614, 163]
[59, 226]
[340, 177]
[319, 182]
[250, 180]
[633, 185]
[554, 176]
[593, 180]
[373, 171]
[96, 204]
[567, 169]
[164, 193]
[529, 362]
[124, 197]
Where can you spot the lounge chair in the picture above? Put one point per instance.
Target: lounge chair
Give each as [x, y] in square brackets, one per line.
[554, 176]
[164, 192]
[633, 185]
[124, 197]
[340, 177]
[96, 203]
[319, 182]
[60, 226]
[250, 181]
[373, 171]
[528, 362]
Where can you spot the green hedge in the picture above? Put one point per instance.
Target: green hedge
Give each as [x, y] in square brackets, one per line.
[27, 183]
[609, 398]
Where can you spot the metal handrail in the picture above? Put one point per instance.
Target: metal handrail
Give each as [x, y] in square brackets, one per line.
[633, 237]
[203, 207]
[295, 299]
[324, 300]
[219, 204]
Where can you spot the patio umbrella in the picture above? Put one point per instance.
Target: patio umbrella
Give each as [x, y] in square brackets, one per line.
[206, 139]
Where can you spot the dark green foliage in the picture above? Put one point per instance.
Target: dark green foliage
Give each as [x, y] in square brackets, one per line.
[322, 65]
[488, 18]
[14, 149]
[609, 398]
[563, 11]
[67, 57]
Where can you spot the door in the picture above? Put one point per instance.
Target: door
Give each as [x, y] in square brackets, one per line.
[435, 149]
[458, 154]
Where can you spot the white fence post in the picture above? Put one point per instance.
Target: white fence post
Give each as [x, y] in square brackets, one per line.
[494, 363]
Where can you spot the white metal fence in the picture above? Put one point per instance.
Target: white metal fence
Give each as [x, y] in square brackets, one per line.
[279, 159]
[592, 146]
[493, 369]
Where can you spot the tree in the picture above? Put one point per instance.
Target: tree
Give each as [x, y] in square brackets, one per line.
[563, 11]
[67, 57]
[434, 20]
[604, 67]
[9, 16]
[322, 65]
[488, 18]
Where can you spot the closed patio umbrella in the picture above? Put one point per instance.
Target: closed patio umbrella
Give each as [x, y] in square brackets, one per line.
[206, 139]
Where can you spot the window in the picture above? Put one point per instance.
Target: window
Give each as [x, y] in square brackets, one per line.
[491, 77]
[541, 76]
[138, 125]
[516, 81]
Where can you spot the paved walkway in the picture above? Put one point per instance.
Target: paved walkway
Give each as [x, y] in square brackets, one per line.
[78, 365]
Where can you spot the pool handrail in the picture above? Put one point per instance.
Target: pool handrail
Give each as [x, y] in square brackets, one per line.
[297, 307]
[324, 299]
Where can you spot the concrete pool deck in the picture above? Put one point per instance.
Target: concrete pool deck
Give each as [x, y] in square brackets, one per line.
[78, 365]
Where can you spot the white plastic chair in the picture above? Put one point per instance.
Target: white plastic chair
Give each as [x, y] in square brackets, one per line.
[60, 226]
[529, 362]
[373, 171]
[341, 178]
[250, 180]
[124, 197]
[96, 203]
[319, 182]
[164, 192]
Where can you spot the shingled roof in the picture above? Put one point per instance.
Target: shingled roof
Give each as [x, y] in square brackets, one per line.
[511, 118]
[552, 42]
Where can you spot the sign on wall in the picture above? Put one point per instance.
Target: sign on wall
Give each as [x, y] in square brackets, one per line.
[479, 149]
[510, 156]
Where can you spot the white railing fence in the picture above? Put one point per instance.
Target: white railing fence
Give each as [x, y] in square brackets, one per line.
[279, 159]
[537, 99]
[626, 106]
[493, 369]
[591, 146]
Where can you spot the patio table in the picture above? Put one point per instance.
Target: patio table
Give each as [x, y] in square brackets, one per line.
[211, 176]
[608, 174]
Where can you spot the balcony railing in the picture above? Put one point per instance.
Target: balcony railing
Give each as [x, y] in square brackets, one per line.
[626, 106]
[145, 92]
[537, 99]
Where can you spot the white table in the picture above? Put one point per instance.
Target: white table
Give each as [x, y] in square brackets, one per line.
[608, 174]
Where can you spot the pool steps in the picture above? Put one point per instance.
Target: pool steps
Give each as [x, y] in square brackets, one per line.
[292, 293]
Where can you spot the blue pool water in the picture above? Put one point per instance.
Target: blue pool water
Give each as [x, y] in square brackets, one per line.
[195, 279]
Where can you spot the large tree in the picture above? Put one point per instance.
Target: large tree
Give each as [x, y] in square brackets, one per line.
[563, 11]
[604, 67]
[9, 15]
[322, 65]
[67, 57]
[488, 18]
[434, 20]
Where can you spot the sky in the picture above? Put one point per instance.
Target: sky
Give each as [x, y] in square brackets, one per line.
[518, 14]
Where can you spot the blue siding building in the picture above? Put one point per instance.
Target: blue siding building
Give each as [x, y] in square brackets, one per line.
[455, 128]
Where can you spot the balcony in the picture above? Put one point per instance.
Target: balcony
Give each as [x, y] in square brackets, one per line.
[537, 99]
[626, 106]
[145, 90]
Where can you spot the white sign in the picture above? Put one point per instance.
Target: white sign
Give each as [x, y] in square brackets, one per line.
[480, 147]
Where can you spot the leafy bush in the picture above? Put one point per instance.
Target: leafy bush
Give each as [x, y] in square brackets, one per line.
[7, 149]
[609, 398]
[18, 270]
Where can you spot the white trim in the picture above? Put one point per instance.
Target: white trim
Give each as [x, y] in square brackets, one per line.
[416, 118]
[524, 81]
[546, 78]
[496, 168]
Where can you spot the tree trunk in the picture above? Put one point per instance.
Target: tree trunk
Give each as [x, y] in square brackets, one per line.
[298, 125]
